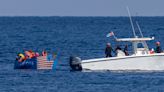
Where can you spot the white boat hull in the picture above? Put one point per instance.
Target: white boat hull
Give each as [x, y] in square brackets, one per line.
[144, 62]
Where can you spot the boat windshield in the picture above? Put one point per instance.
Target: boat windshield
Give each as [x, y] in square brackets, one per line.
[140, 45]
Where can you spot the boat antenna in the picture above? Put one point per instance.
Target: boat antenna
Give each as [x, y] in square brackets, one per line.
[131, 21]
[139, 29]
[142, 35]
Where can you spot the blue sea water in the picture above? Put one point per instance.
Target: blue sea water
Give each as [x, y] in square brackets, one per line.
[81, 36]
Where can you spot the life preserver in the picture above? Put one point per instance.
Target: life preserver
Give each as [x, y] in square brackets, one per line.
[22, 57]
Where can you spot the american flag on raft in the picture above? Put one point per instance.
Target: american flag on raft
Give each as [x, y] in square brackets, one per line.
[43, 62]
[110, 34]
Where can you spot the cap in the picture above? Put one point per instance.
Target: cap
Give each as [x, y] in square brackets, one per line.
[158, 43]
[108, 44]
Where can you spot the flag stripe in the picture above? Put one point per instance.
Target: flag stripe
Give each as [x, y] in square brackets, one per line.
[110, 34]
[43, 63]
[44, 68]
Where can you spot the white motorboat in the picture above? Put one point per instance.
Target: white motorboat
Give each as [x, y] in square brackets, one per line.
[140, 59]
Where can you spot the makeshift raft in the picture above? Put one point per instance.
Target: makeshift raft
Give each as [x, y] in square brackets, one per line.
[41, 62]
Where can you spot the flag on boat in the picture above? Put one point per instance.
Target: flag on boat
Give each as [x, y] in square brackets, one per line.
[110, 34]
[44, 62]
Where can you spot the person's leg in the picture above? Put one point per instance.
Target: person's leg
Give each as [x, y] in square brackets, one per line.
[107, 55]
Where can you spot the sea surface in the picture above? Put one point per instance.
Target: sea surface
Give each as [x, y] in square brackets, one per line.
[81, 36]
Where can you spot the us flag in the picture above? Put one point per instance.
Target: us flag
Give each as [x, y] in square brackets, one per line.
[44, 63]
[110, 34]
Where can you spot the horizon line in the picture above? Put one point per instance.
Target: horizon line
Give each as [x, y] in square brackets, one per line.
[73, 16]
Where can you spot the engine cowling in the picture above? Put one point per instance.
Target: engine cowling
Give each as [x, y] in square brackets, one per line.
[75, 63]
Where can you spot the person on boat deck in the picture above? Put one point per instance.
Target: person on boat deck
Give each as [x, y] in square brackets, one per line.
[118, 51]
[158, 48]
[126, 50]
[108, 50]
[117, 48]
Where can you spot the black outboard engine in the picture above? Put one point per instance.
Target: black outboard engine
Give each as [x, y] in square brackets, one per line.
[75, 63]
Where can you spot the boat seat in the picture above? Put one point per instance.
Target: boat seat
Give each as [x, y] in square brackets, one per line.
[141, 51]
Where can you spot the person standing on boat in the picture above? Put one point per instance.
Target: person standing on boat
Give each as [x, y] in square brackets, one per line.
[118, 51]
[158, 48]
[117, 48]
[126, 50]
[108, 50]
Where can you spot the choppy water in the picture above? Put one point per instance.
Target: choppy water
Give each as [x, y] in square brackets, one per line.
[81, 36]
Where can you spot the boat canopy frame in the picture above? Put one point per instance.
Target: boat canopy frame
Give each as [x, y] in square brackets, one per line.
[135, 42]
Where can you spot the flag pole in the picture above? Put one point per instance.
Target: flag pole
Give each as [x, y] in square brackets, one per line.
[115, 37]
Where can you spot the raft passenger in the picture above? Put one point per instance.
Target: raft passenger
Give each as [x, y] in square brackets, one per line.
[44, 53]
[36, 54]
[29, 54]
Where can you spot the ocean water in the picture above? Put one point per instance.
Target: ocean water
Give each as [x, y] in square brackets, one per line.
[81, 36]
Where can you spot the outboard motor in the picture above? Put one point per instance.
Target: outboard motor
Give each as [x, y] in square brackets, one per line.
[75, 63]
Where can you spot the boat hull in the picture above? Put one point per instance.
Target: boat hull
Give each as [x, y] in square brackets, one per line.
[144, 62]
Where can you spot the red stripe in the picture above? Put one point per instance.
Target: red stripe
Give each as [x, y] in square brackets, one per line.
[43, 63]
[44, 68]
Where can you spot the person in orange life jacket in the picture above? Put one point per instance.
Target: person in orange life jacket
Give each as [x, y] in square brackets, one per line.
[32, 53]
[29, 54]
